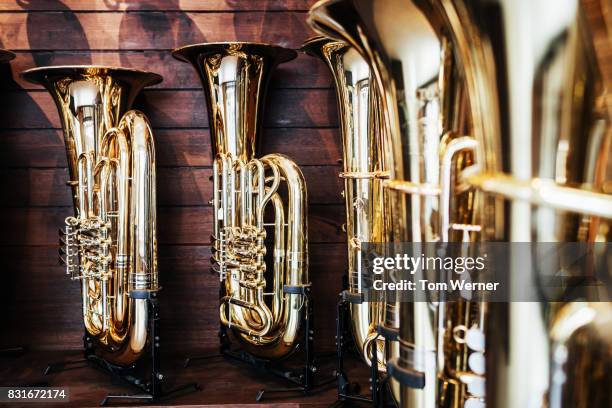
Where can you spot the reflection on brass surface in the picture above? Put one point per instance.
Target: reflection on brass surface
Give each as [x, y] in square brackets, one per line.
[253, 199]
[363, 174]
[109, 245]
[533, 164]
[425, 112]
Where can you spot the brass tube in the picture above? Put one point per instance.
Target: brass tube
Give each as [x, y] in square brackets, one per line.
[111, 162]
[363, 141]
[247, 190]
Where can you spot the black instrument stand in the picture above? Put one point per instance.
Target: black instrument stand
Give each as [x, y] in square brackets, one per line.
[147, 379]
[347, 390]
[302, 379]
[14, 351]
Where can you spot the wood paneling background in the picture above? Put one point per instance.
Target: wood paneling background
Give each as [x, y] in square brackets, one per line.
[41, 306]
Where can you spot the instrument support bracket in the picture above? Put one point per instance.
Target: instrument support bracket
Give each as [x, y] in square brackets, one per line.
[347, 390]
[143, 375]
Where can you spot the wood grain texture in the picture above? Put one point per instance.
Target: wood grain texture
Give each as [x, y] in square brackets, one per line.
[300, 121]
[223, 383]
[286, 108]
[176, 225]
[41, 306]
[302, 72]
[37, 148]
[49, 312]
[182, 186]
[147, 30]
[156, 5]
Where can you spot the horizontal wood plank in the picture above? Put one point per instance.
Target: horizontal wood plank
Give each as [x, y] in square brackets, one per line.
[302, 72]
[174, 147]
[176, 225]
[182, 186]
[179, 109]
[147, 30]
[156, 5]
[188, 299]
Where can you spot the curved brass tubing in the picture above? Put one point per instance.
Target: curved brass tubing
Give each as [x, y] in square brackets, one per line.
[252, 197]
[110, 242]
[364, 170]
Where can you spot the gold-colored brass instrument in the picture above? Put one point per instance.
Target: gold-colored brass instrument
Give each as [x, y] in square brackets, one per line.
[544, 143]
[540, 148]
[253, 197]
[364, 171]
[109, 245]
[425, 110]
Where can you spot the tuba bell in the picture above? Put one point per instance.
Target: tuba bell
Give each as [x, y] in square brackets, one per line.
[109, 245]
[259, 204]
[425, 112]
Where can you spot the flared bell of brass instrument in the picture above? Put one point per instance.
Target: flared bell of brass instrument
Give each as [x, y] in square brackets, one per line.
[364, 170]
[425, 112]
[109, 245]
[263, 299]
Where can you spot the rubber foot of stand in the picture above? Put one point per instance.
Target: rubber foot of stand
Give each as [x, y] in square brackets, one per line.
[108, 398]
[62, 366]
[261, 393]
[12, 351]
[150, 398]
[189, 360]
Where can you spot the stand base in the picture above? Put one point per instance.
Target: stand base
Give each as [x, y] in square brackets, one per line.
[348, 391]
[302, 378]
[165, 395]
[14, 351]
[264, 365]
[121, 374]
[144, 374]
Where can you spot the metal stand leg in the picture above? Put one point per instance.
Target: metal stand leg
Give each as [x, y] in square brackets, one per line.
[152, 386]
[347, 391]
[302, 379]
[148, 380]
[64, 366]
[14, 351]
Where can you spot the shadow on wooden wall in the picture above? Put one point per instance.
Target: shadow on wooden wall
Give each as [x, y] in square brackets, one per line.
[42, 306]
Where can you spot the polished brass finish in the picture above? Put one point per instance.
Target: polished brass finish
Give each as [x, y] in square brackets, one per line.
[540, 135]
[544, 140]
[425, 110]
[109, 245]
[364, 170]
[247, 199]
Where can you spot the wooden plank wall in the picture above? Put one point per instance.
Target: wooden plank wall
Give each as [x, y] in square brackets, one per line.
[40, 306]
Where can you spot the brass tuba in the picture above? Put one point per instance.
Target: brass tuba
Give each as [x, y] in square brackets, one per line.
[540, 140]
[109, 245]
[544, 137]
[264, 308]
[364, 171]
[426, 112]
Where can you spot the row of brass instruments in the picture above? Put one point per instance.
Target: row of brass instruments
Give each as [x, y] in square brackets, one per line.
[475, 121]
[109, 245]
[462, 121]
